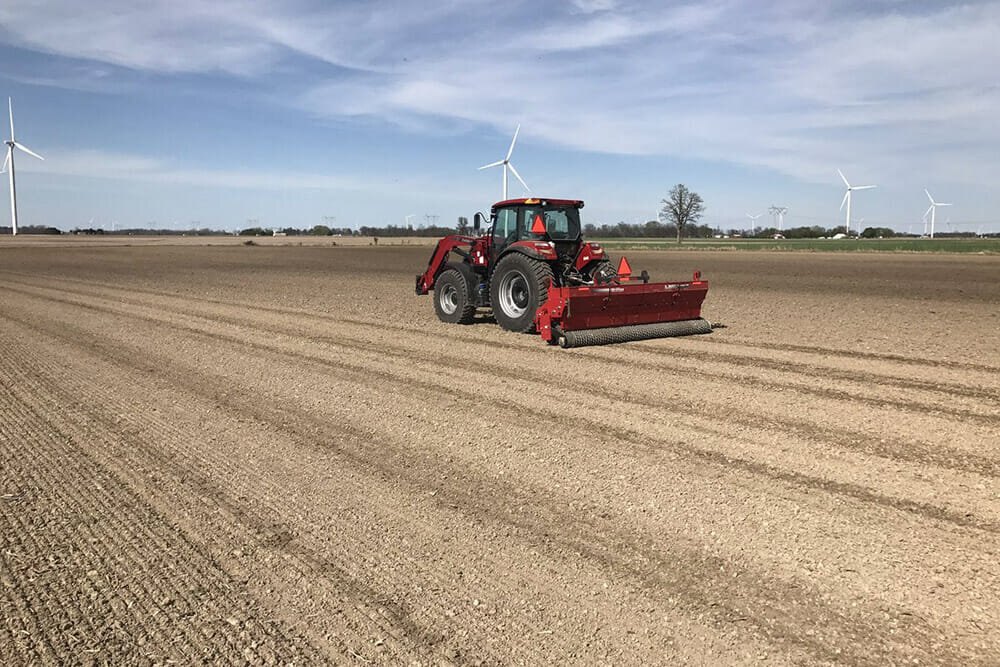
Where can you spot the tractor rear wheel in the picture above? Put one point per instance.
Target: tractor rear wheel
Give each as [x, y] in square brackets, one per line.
[519, 286]
[452, 298]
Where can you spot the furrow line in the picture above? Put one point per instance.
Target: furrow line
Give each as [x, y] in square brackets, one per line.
[115, 545]
[587, 425]
[873, 356]
[190, 469]
[812, 370]
[621, 551]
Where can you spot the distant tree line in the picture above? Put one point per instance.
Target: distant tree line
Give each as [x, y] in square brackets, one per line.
[31, 229]
[650, 229]
[409, 230]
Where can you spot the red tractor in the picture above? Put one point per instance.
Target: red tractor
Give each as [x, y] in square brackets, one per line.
[536, 272]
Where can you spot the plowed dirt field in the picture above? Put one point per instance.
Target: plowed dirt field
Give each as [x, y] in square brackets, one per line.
[278, 454]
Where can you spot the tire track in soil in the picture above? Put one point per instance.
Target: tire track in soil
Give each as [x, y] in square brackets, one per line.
[648, 443]
[278, 534]
[826, 373]
[265, 527]
[744, 380]
[28, 415]
[621, 554]
[108, 553]
[909, 450]
[873, 356]
[805, 349]
[269, 532]
[901, 450]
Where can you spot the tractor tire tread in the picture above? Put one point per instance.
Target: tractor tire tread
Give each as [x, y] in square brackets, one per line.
[466, 311]
[542, 274]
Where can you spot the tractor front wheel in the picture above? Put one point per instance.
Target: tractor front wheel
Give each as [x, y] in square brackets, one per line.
[519, 286]
[452, 298]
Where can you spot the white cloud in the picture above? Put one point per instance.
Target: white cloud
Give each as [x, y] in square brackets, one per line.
[136, 168]
[798, 87]
[591, 6]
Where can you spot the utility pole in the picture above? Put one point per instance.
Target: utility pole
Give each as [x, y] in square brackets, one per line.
[779, 215]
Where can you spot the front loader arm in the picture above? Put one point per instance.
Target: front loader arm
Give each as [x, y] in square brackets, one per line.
[453, 242]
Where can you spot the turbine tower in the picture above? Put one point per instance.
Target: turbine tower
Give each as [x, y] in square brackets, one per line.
[8, 164]
[507, 165]
[847, 200]
[933, 210]
[753, 221]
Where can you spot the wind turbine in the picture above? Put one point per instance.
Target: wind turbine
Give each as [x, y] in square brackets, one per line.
[753, 221]
[847, 200]
[507, 165]
[932, 209]
[8, 163]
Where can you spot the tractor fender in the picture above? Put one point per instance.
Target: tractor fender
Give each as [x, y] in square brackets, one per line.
[542, 250]
[589, 252]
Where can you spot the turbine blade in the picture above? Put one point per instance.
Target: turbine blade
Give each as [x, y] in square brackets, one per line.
[929, 195]
[843, 178]
[510, 151]
[844, 200]
[928, 211]
[5, 161]
[492, 164]
[864, 187]
[514, 171]
[28, 150]
[10, 109]
[940, 204]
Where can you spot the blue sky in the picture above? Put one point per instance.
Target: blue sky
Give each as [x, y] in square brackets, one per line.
[212, 113]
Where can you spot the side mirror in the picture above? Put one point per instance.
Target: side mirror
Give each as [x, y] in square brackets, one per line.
[477, 221]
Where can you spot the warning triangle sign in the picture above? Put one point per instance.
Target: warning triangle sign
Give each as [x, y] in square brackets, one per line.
[538, 226]
[623, 267]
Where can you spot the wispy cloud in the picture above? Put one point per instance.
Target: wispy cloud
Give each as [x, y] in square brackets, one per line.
[99, 164]
[797, 87]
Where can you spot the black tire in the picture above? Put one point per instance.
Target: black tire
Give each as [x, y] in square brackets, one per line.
[519, 286]
[602, 272]
[452, 298]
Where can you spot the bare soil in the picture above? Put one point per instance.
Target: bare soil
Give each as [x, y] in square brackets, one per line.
[278, 455]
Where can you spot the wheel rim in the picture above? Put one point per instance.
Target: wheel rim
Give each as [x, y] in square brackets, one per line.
[448, 299]
[514, 294]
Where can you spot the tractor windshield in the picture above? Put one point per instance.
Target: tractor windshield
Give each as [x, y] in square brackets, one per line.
[561, 224]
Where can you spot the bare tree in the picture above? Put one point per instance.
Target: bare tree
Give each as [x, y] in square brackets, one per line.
[683, 207]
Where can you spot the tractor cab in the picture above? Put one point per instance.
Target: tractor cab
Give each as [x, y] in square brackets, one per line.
[536, 220]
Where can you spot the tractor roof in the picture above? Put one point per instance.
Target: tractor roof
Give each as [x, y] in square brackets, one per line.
[539, 200]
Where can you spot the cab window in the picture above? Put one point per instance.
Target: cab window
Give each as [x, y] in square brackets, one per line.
[557, 223]
[529, 221]
[505, 227]
[561, 224]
